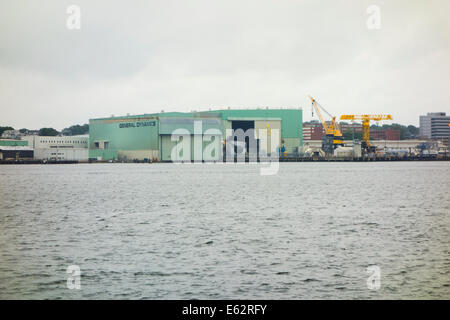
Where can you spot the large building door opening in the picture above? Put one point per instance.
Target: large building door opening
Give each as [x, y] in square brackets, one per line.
[245, 125]
[241, 124]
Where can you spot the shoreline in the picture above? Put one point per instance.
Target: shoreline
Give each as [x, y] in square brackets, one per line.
[313, 159]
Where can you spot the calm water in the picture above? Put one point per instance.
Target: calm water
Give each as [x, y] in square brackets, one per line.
[161, 231]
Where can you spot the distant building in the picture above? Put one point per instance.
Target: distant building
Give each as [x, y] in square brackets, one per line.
[151, 136]
[391, 134]
[55, 148]
[384, 134]
[350, 127]
[313, 130]
[435, 125]
[31, 133]
[11, 134]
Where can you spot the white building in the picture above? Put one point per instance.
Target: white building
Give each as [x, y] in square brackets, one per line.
[65, 148]
[435, 125]
[62, 154]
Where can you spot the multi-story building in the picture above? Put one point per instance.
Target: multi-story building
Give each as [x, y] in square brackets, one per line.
[56, 148]
[435, 125]
[313, 130]
[344, 126]
[384, 134]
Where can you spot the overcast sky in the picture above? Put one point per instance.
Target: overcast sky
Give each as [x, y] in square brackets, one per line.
[146, 56]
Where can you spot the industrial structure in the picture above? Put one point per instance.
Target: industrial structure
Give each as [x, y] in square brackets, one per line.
[409, 148]
[365, 118]
[314, 130]
[153, 137]
[214, 135]
[59, 148]
[333, 136]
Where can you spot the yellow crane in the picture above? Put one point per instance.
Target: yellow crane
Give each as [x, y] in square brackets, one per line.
[365, 118]
[333, 135]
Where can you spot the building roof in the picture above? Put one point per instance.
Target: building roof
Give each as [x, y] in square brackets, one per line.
[199, 113]
[17, 148]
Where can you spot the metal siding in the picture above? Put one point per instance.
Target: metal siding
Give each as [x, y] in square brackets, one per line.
[218, 154]
[225, 125]
[132, 138]
[291, 143]
[130, 155]
[268, 125]
[291, 119]
[167, 146]
[169, 125]
[104, 154]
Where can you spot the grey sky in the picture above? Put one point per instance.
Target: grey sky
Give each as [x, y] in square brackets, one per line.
[147, 56]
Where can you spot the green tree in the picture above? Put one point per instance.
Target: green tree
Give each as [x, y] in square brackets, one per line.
[412, 131]
[48, 132]
[402, 128]
[76, 130]
[24, 130]
[406, 132]
[349, 135]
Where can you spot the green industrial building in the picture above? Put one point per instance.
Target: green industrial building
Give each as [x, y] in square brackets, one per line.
[153, 136]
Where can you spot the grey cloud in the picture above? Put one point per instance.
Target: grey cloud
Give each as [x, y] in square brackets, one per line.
[144, 56]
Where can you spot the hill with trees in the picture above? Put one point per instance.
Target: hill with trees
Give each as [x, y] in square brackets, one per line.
[48, 132]
[406, 132]
[76, 130]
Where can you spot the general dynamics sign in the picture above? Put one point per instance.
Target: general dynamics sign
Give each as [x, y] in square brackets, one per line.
[137, 124]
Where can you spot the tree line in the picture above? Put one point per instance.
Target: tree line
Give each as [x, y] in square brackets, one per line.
[406, 132]
[70, 131]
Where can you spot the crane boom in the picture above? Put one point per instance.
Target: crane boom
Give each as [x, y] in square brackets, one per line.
[333, 135]
[322, 120]
[365, 118]
[376, 117]
[330, 129]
